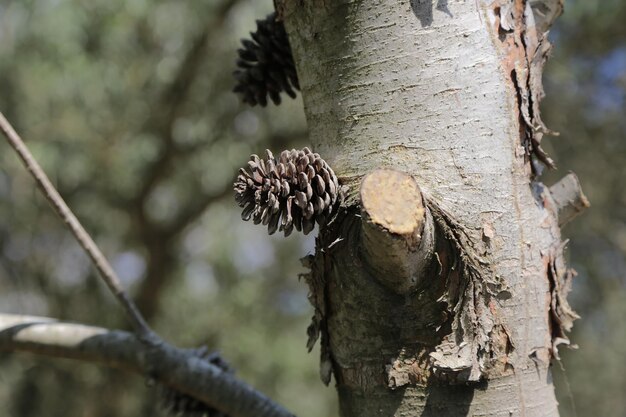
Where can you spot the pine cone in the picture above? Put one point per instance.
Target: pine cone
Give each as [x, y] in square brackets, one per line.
[179, 404]
[299, 188]
[266, 65]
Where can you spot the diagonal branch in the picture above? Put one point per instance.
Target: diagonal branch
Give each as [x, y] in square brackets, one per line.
[84, 239]
[176, 368]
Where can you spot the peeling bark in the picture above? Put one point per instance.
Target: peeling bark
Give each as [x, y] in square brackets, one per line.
[524, 52]
[449, 95]
[561, 314]
[479, 344]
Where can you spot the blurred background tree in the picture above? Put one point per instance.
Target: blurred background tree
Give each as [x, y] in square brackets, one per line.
[127, 105]
[586, 102]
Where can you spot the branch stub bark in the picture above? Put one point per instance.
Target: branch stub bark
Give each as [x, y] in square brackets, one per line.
[397, 230]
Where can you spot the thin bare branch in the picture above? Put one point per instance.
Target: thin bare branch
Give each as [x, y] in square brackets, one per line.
[176, 368]
[84, 239]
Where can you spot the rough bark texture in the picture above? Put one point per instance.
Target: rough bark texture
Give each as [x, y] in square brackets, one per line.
[447, 92]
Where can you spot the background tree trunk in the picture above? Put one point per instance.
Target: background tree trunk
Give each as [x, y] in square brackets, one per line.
[448, 93]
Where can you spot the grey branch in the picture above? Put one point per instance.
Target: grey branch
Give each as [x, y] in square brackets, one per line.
[177, 368]
[84, 239]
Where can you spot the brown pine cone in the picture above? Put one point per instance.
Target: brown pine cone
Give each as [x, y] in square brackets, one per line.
[265, 64]
[296, 190]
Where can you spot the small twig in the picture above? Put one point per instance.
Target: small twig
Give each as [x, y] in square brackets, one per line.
[107, 273]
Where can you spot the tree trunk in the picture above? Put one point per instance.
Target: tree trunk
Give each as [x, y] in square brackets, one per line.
[440, 287]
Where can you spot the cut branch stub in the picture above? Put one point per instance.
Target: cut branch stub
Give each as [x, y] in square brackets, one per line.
[296, 190]
[546, 12]
[398, 232]
[569, 198]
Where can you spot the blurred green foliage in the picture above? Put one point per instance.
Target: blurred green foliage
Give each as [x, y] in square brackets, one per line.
[127, 105]
[586, 102]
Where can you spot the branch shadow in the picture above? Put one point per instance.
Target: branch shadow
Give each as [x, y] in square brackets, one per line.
[423, 10]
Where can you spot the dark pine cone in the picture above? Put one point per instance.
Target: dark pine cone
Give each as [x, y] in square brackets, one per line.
[182, 405]
[299, 188]
[265, 65]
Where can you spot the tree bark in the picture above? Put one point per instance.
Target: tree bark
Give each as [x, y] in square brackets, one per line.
[448, 94]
